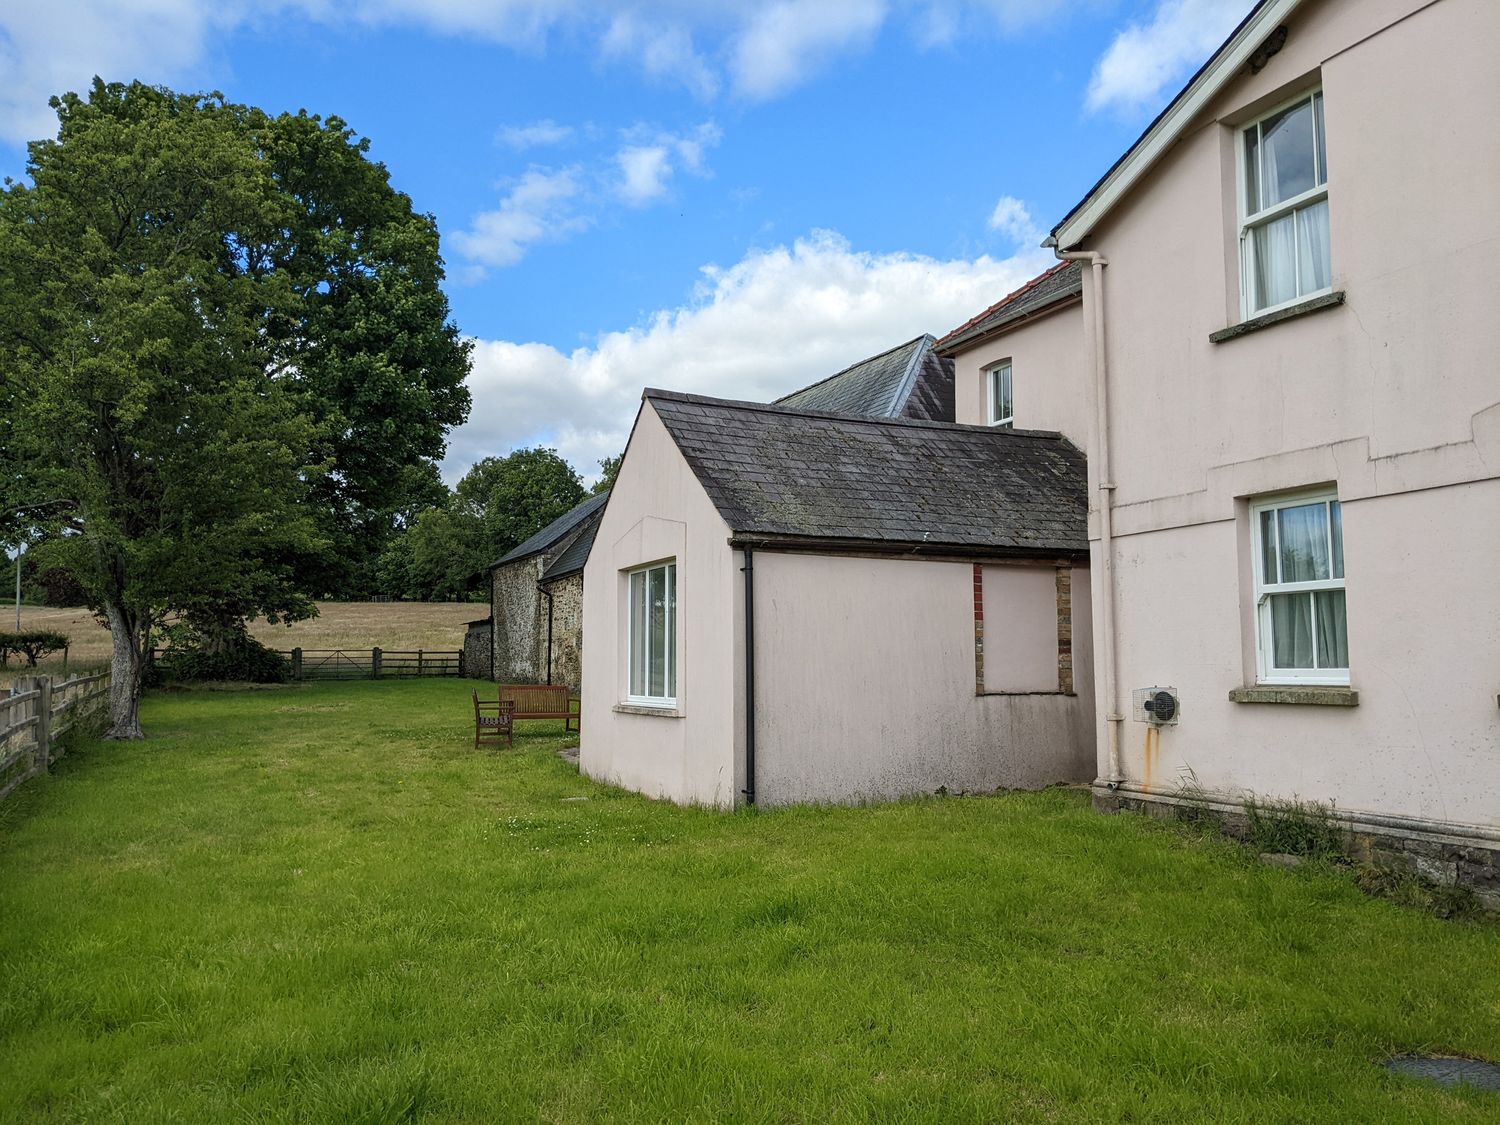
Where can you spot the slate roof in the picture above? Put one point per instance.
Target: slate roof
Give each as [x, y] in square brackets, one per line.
[555, 531]
[908, 381]
[839, 480]
[1062, 282]
[577, 553]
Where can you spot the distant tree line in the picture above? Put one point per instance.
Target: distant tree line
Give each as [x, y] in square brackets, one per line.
[445, 552]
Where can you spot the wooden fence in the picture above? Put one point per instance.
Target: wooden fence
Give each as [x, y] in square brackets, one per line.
[371, 663]
[36, 715]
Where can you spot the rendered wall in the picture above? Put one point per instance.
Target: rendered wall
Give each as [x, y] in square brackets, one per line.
[1394, 398]
[657, 510]
[1049, 375]
[866, 686]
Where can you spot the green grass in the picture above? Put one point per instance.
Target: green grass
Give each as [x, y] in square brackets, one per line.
[321, 904]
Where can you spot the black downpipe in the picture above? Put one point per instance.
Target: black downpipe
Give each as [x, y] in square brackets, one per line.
[546, 593]
[493, 678]
[749, 571]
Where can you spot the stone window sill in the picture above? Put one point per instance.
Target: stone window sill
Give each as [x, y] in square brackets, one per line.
[1287, 693]
[1291, 312]
[1065, 694]
[655, 712]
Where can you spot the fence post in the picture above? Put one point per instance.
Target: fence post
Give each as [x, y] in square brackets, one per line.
[44, 724]
[375, 664]
[419, 662]
[296, 663]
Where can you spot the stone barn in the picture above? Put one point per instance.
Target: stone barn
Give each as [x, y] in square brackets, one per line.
[531, 624]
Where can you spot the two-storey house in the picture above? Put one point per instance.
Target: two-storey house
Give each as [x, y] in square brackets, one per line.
[1292, 320]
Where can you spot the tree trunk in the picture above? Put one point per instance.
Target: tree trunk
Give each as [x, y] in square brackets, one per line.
[127, 641]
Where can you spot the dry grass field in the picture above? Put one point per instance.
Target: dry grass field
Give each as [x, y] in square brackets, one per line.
[393, 625]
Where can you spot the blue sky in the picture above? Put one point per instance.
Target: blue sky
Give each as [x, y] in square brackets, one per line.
[731, 198]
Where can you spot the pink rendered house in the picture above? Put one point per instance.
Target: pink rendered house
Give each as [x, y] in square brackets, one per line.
[1291, 329]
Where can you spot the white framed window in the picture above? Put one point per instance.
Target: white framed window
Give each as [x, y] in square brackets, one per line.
[1302, 633]
[1002, 405]
[652, 640]
[1284, 207]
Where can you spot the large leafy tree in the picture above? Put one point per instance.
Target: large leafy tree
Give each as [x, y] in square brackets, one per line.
[225, 356]
[370, 344]
[141, 411]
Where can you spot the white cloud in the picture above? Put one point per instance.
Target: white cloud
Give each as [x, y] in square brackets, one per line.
[539, 208]
[785, 42]
[1144, 59]
[646, 167]
[775, 321]
[48, 49]
[644, 171]
[538, 134]
[766, 49]
[664, 51]
[1011, 218]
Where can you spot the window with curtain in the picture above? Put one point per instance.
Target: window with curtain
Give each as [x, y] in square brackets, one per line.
[1002, 404]
[1299, 590]
[1284, 231]
[653, 635]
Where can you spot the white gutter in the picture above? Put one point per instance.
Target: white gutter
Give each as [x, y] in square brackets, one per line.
[1105, 483]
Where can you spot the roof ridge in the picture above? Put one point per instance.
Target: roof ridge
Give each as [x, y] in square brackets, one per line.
[863, 419]
[852, 366]
[909, 376]
[1003, 301]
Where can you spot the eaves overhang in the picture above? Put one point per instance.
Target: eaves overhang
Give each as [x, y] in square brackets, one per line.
[1170, 124]
[888, 548]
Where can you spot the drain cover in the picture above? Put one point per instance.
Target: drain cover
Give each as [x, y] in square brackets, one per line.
[1447, 1071]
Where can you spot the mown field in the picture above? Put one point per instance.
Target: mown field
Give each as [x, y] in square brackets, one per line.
[320, 904]
[363, 625]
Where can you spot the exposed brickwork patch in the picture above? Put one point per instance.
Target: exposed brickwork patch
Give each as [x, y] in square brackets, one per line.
[1064, 629]
[978, 629]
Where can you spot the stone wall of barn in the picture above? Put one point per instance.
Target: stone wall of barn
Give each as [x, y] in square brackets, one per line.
[518, 618]
[567, 632]
[475, 662]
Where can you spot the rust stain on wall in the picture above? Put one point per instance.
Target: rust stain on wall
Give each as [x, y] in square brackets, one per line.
[1152, 749]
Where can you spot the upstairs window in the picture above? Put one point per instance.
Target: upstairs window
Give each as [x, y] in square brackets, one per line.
[1002, 410]
[1284, 228]
[1303, 634]
[653, 635]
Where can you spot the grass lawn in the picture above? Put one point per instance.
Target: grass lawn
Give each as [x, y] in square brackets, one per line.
[320, 904]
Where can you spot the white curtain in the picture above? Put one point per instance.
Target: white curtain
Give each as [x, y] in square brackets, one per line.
[1333, 629]
[1304, 543]
[1276, 262]
[1312, 247]
[1291, 630]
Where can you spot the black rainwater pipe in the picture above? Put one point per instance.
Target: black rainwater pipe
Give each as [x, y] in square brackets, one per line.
[546, 593]
[749, 571]
[493, 678]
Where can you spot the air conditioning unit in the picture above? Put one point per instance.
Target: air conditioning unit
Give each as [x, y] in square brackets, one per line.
[1158, 705]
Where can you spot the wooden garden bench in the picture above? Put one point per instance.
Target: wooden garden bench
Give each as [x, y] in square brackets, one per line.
[493, 720]
[543, 701]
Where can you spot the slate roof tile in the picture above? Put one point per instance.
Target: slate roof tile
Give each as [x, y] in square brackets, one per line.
[781, 472]
[1062, 282]
[908, 381]
[555, 531]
